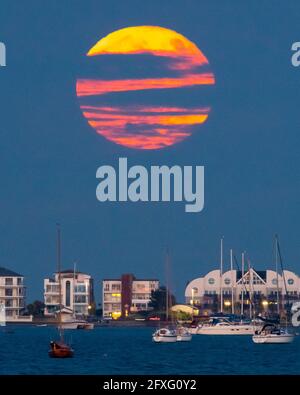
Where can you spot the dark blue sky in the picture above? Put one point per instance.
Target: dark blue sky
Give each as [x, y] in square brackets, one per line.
[49, 155]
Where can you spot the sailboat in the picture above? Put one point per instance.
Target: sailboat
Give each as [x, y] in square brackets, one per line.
[58, 348]
[166, 334]
[222, 325]
[272, 332]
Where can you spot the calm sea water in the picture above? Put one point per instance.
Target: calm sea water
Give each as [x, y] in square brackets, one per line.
[131, 351]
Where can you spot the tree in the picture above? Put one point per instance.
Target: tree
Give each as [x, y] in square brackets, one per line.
[36, 308]
[159, 298]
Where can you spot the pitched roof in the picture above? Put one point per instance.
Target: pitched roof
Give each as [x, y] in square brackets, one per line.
[8, 273]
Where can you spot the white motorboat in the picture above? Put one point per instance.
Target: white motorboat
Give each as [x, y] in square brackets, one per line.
[271, 334]
[85, 325]
[77, 324]
[223, 326]
[164, 335]
[183, 334]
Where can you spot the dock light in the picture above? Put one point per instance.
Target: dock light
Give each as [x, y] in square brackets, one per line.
[227, 303]
[265, 303]
[89, 307]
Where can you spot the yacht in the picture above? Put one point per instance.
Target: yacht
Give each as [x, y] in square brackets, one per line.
[223, 326]
[164, 335]
[74, 323]
[272, 334]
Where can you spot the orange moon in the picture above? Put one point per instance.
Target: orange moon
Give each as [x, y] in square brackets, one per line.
[133, 123]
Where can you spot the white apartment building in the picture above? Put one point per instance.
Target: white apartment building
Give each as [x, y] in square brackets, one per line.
[76, 289]
[12, 293]
[126, 295]
[259, 286]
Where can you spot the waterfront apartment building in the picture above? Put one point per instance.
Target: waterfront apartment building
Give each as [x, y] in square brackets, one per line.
[126, 295]
[76, 289]
[260, 287]
[12, 293]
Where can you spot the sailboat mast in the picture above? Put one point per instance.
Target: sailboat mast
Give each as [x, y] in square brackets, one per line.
[59, 279]
[277, 276]
[250, 287]
[74, 278]
[167, 286]
[231, 271]
[221, 273]
[243, 272]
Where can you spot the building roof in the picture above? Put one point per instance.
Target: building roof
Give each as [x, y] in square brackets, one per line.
[135, 279]
[71, 271]
[8, 273]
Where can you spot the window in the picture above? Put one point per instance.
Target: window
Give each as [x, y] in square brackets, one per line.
[52, 288]
[9, 303]
[211, 281]
[116, 287]
[9, 292]
[227, 281]
[106, 287]
[8, 281]
[80, 299]
[19, 281]
[68, 293]
[274, 281]
[290, 281]
[80, 288]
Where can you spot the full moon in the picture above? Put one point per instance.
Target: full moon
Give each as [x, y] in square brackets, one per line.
[142, 87]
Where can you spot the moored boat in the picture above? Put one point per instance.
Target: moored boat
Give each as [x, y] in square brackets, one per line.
[183, 334]
[164, 335]
[272, 334]
[60, 350]
[223, 326]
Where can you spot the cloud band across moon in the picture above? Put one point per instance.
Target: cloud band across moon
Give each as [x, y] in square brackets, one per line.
[143, 126]
[162, 126]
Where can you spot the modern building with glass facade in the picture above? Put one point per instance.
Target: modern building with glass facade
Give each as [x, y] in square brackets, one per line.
[76, 289]
[12, 293]
[258, 287]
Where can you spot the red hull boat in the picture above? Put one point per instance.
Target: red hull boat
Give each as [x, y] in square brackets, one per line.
[60, 350]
